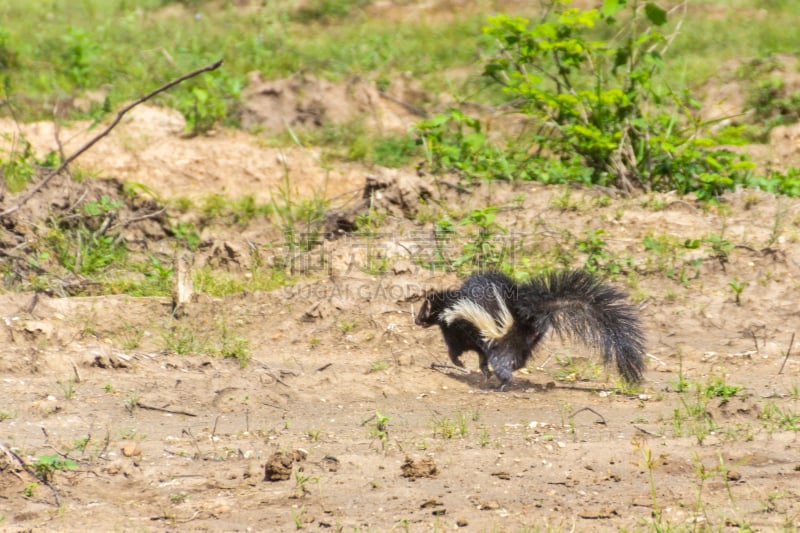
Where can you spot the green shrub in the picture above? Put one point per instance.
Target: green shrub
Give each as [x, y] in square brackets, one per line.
[209, 100]
[598, 99]
[594, 110]
[455, 142]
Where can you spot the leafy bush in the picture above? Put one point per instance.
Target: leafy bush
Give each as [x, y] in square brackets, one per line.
[208, 100]
[455, 142]
[79, 55]
[773, 104]
[17, 169]
[85, 248]
[594, 109]
[8, 56]
[598, 99]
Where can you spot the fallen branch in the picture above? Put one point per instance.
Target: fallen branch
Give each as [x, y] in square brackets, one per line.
[788, 351]
[755, 342]
[442, 367]
[141, 217]
[601, 417]
[140, 405]
[91, 142]
[648, 432]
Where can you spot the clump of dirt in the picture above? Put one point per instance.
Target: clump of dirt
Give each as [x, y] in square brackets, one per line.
[393, 192]
[279, 466]
[304, 101]
[414, 469]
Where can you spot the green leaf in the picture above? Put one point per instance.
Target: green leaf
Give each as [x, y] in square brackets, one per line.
[612, 7]
[621, 57]
[655, 14]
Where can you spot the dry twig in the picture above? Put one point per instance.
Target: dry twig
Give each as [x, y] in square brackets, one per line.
[140, 405]
[444, 366]
[602, 418]
[92, 141]
[755, 342]
[788, 351]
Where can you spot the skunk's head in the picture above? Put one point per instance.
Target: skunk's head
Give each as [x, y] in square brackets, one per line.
[435, 303]
[424, 315]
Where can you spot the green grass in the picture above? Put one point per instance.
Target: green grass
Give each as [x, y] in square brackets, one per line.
[221, 283]
[52, 49]
[716, 31]
[55, 48]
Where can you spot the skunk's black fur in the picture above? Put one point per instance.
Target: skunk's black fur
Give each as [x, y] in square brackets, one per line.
[504, 321]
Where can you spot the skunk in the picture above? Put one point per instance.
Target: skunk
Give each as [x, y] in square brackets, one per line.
[504, 321]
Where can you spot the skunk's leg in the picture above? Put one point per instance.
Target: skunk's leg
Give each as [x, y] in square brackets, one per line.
[483, 360]
[502, 364]
[455, 356]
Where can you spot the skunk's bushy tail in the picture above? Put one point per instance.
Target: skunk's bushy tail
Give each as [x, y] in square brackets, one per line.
[580, 306]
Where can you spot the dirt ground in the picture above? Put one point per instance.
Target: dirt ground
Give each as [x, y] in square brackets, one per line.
[370, 436]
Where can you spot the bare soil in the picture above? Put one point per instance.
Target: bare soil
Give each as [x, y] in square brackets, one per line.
[296, 439]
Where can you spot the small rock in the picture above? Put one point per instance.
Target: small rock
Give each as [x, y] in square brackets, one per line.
[131, 450]
[431, 503]
[402, 267]
[488, 506]
[299, 455]
[330, 463]
[221, 509]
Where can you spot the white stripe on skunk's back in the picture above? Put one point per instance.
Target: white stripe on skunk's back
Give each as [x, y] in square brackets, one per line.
[491, 328]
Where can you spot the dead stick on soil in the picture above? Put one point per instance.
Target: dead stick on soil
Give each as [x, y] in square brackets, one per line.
[137, 219]
[57, 134]
[75, 371]
[163, 410]
[647, 431]
[443, 366]
[188, 431]
[602, 418]
[755, 341]
[214, 431]
[107, 441]
[788, 351]
[32, 304]
[91, 142]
